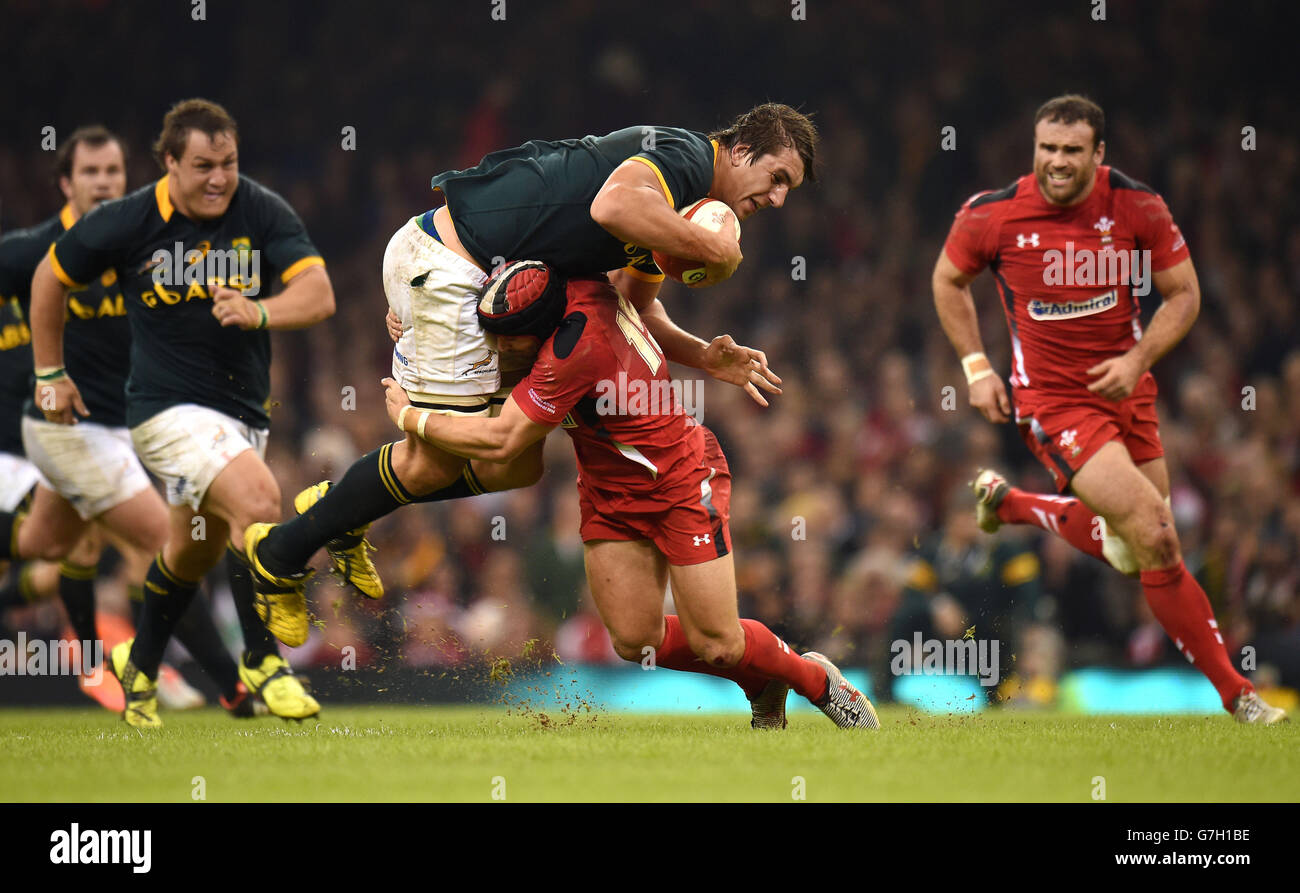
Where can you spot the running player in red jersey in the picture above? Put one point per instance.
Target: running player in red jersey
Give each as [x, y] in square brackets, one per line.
[653, 486]
[1072, 246]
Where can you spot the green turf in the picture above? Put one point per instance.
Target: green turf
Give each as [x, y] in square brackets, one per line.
[453, 754]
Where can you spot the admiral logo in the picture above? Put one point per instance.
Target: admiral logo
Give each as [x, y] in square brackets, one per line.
[90, 847]
[1046, 310]
[1084, 266]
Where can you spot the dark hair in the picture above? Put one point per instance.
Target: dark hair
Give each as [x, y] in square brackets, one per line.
[772, 126]
[93, 136]
[1070, 108]
[186, 115]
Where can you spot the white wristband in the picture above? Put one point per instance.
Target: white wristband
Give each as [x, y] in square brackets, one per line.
[976, 366]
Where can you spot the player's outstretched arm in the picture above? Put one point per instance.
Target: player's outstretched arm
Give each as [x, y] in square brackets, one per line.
[632, 206]
[956, 308]
[307, 299]
[494, 440]
[56, 394]
[1181, 293]
[722, 357]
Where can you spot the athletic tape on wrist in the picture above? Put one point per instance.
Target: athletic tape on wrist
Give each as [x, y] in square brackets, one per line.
[401, 417]
[424, 417]
[976, 366]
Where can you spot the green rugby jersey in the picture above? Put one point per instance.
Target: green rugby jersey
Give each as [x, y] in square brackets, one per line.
[533, 202]
[179, 352]
[97, 337]
[15, 369]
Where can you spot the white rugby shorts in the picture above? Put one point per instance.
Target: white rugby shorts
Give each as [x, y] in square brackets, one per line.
[17, 477]
[92, 466]
[442, 360]
[189, 445]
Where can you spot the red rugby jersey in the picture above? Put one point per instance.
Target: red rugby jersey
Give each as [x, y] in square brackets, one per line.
[1066, 276]
[605, 379]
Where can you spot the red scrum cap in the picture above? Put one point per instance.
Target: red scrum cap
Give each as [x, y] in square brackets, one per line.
[522, 297]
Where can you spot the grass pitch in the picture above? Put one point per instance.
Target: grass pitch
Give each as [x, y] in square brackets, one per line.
[462, 754]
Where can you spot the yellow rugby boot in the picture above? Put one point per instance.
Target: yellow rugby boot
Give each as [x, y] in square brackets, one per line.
[141, 692]
[281, 602]
[282, 691]
[348, 552]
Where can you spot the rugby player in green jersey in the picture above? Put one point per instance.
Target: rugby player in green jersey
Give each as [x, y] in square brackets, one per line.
[584, 206]
[196, 254]
[91, 471]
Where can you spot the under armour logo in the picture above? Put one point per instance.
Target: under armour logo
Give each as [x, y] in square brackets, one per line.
[701, 540]
[1022, 240]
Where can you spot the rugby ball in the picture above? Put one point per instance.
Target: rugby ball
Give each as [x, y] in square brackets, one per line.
[709, 213]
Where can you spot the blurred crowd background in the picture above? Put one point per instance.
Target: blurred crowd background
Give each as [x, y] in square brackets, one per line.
[851, 522]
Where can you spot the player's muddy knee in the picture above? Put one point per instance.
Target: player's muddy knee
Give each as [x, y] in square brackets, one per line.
[629, 651]
[48, 549]
[423, 470]
[1159, 544]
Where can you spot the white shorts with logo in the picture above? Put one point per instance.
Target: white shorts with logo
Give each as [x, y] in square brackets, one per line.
[189, 445]
[17, 477]
[442, 360]
[92, 466]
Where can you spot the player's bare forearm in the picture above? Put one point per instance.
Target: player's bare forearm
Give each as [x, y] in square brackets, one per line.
[47, 316]
[678, 345]
[956, 307]
[1173, 319]
[497, 439]
[306, 300]
[631, 205]
[471, 438]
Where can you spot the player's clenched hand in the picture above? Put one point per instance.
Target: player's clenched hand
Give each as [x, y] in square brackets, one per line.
[989, 396]
[395, 398]
[394, 323]
[233, 309]
[744, 367]
[1119, 376]
[60, 401]
[715, 272]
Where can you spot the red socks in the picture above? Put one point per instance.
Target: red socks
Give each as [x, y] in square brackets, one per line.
[770, 658]
[1180, 605]
[1064, 516]
[766, 657]
[1176, 599]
